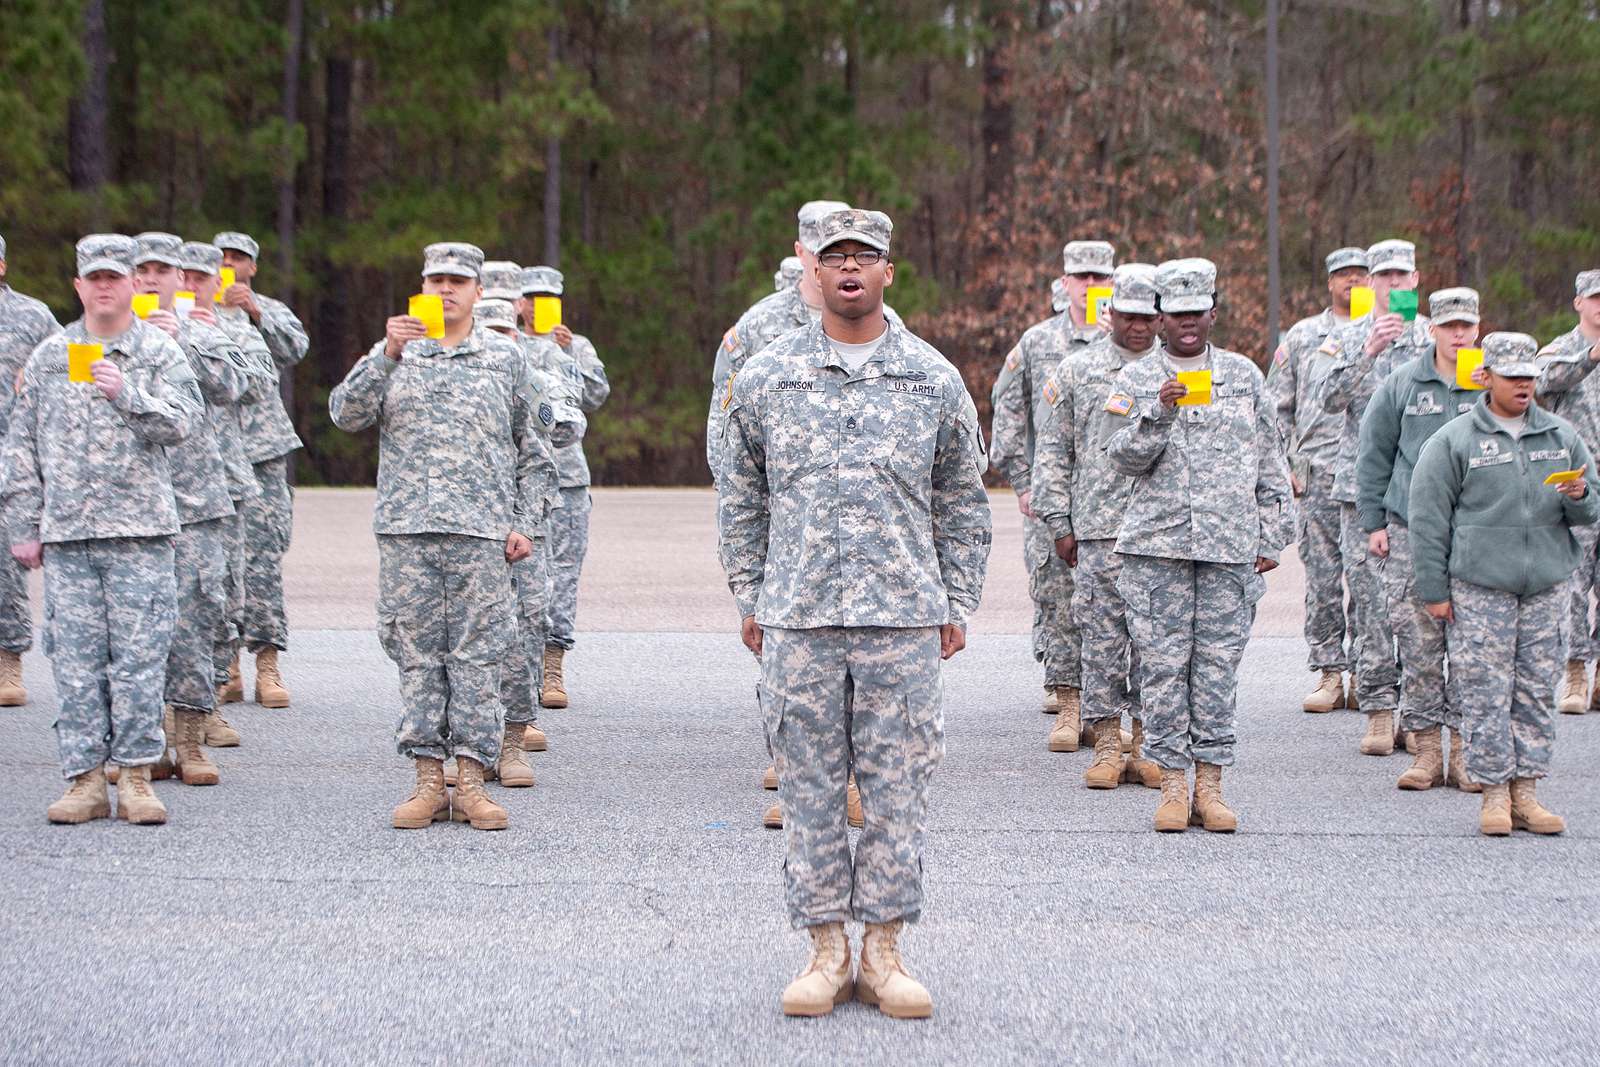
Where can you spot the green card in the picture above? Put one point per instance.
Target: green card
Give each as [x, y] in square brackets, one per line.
[1404, 304]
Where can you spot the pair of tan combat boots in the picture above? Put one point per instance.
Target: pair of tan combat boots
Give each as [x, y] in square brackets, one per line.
[1179, 810]
[1515, 805]
[881, 982]
[270, 692]
[1330, 694]
[88, 798]
[431, 801]
[1111, 742]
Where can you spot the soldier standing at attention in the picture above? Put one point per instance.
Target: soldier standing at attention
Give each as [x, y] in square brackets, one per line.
[855, 534]
[24, 323]
[1207, 516]
[88, 496]
[1494, 554]
[1017, 401]
[460, 494]
[1295, 379]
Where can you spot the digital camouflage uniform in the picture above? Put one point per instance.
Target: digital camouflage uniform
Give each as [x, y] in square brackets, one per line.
[788, 274]
[854, 524]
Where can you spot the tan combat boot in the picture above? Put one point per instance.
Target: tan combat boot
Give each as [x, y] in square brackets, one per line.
[1105, 770]
[194, 766]
[270, 692]
[826, 980]
[1574, 688]
[429, 802]
[1530, 815]
[769, 777]
[1209, 811]
[883, 979]
[85, 799]
[1594, 699]
[1066, 733]
[772, 818]
[231, 691]
[12, 695]
[1138, 770]
[136, 801]
[1328, 694]
[167, 766]
[1351, 700]
[1494, 820]
[219, 732]
[472, 805]
[1124, 740]
[1172, 814]
[1427, 770]
[1050, 705]
[554, 693]
[852, 804]
[534, 739]
[513, 768]
[1379, 739]
[1457, 775]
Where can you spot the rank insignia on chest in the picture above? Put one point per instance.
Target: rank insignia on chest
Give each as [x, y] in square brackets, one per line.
[1052, 392]
[1489, 447]
[1426, 404]
[547, 414]
[1119, 403]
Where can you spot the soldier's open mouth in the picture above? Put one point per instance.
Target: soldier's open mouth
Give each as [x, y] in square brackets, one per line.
[849, 285]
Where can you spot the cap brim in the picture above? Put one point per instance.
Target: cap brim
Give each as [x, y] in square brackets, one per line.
[1135, 307]
[171, 261]
[199, 268]
[1180, 304]
[451, 272]
[1392, 264]
[251, 252]
[1515, 370]
[1593, 290]
[853, 235]
[1457, 316]
[511, 295]
[1087, 268]
[105, 264]
[1337, 267]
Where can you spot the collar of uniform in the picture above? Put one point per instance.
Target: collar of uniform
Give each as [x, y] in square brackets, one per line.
[1538, 419]
[1423, 370]
[124, 342]
[890, 354]
[474, 342]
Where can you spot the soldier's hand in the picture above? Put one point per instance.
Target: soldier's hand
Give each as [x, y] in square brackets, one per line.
[203, 314]
[1480, 377]
[562, 335]
[108, 376]
[1067, 550]
[400, 330]
[1172, 391]
[1263, 564]
[952, 639]
[240, 296]
[30, 554]
[1296, 484]
[518, 547]
[1384, 330]
[1574, 489]
[1378, 544]
[1443, 611]
[1025, 502]
[750, 634]
[165, 321]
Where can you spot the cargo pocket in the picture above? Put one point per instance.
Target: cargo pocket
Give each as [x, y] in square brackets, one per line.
[389, 634]
[925, 723]
[771, 716]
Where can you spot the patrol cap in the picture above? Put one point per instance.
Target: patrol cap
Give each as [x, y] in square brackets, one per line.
[1341, 258]
[1133, 289]
[788, 274]
[239, 242]
[1510, 355]
[199, 256]
[502, 280]
[810, 214]
[871, 228]
[495, 312]
[1186, 285]
[1087, 257]
[455, 258]
[1587, 284]
[1393, 254]
[545, 280]
[1453, 305]
[105, 251]
[1058, 295]
[153, 246]
[2, 246]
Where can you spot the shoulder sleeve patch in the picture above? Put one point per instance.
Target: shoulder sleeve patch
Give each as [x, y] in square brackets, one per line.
[1014, 359]
[1119, 403]
[1281, 356]
[1052, 391]
[730, 340]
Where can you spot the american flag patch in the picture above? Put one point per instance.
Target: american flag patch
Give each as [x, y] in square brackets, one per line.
[1330, 347]
[1280, 357]
[1119, 403]
[1014, 359]
[1052, 392]
[730, 340]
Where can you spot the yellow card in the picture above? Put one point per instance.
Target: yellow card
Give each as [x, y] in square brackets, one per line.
[1362, 301]
[430, 309]
[1560, 477]
[1097, 293]
[145, 303]
[227, 276]
[1198, 382]
[79, 357]
[546, 313]
[182, 303]
[1467, 361]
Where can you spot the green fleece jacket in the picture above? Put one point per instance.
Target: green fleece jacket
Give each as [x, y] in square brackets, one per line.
[1480, 510]
[1411, 405]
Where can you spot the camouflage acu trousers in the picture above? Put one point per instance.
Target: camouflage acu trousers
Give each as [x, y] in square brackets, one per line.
[1377, 671]
[1189, 623]
[200, 567]
[569, 543]
[108, 611]
[16, 620]
[864, 698]
[227, 643]
[1584, 635]
[1102, 618]
[1505, 653]
[1424, 696]
[1318, 533]
[1055, 637]
[522, 672]
[447, 617]
[268, 523]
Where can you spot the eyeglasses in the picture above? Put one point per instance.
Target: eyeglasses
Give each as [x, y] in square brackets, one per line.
[864, 258]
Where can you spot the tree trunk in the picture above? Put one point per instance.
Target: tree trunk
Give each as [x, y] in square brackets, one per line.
[997, 126]
[552, 176]
[286, 176]
[88, 154]
[331, 337]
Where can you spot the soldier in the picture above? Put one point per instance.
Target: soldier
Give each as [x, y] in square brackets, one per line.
[1080, 497]
[88, 496]
[1295, 379]
[1365, 352]
[1016, 400]
[569, 532]
[1412, 404]
[1494, 553]
[460, 494]
[1207, 516]
[1567, 387]
[855, 533]
[788, 275]
[269, 439]
[24, 323]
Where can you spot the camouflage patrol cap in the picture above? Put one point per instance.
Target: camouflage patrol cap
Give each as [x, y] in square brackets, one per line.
[239, 242]
[455, 258]
[153, 246]
[105, 251]
[1343, 258]
[545, 280]
[1133, 289]
[1453, 305]
[1087, 257]
[502, 280]
[1511, 355]
[810, 215]
[1587, 284]
[495, 312]
[1186, 285]
[1058, 295]
[2, 246]
[788, 273]
[871, 228]
[1392, 254]
[199, 256]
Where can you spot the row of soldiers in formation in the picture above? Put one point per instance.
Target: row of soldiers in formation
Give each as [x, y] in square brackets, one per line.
[145, 470]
